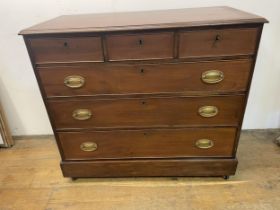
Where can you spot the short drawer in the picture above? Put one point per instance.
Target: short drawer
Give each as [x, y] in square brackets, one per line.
[98, 79]
[155, 143]
[148, 112]
[52, 50]
[221, 42]
[140, 46]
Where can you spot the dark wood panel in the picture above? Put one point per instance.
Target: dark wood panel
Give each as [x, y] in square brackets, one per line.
[65, 49]
[140, 46]
[209, 43]
[145, 78]
[148, 112]
[149, 167]
[147, 143]
[139, 20]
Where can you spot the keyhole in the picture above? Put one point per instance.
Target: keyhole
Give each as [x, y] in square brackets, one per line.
[145, 134]
[142, 70]
[218, 37]
[143, 102]
[140, 42]
[65, 44]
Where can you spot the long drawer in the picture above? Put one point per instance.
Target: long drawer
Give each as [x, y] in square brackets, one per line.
[148, 112]
[215, 76]
[167, 143]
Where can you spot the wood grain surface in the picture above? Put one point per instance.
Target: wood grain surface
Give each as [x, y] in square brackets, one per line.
[140, 46]
[139, 20]
[147, 112]
[149, 167]
[165, 143]
[209, 43]
[53, 50]
[109, 79]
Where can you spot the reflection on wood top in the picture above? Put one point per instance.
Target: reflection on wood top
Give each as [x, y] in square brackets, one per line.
[141, 20]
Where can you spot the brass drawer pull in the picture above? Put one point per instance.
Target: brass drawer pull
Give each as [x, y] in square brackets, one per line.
[204, 143]
[88, 146]
[208, 111]
[81, 114]
[212, 76]
[74, 81]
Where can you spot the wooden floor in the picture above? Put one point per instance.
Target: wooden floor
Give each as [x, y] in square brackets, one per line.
[30, 178]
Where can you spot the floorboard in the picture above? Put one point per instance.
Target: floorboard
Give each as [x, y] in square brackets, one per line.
[30, 178]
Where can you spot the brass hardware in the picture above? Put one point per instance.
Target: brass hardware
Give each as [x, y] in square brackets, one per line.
[81, 114]
[88, 146]
[212, 76]
[204, 143]
[208, 111]
[74, 81]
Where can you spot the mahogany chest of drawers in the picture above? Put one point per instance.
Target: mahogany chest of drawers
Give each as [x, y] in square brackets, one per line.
[158, 93]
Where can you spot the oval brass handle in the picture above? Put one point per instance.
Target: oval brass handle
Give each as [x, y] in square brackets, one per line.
[212, 76]
[204, 143]
[81, 114]
[74, 81]
[88, 146]
[208, 111]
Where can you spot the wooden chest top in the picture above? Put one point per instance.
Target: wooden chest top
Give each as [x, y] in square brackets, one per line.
[173, 18]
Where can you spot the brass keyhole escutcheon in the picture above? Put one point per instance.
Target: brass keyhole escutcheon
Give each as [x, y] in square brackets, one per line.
[74, 81]
[88, 146]
[212, 76]
[208, 111]
[204, 143]
[81, 114]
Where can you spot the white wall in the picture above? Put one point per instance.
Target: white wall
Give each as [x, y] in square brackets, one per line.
[19, 91]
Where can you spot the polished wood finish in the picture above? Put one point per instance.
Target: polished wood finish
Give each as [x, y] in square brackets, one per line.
[148, 143]
[144, 20]
[147, 112]
[149, 167]
[184, 78]
[52, 50]
[160, 93]
[140, 46]
[222, 42]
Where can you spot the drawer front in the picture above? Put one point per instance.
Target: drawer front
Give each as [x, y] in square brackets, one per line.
[149, 112]
[222, 42]
[140, 46]
[98, 79]
[48, 50]
[167, 143]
